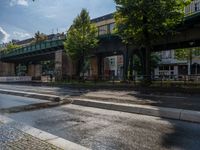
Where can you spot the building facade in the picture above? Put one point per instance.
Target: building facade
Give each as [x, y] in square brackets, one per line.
[174, 68]
[171, 68]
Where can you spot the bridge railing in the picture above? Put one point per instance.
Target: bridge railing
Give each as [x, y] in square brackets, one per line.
[32, 48]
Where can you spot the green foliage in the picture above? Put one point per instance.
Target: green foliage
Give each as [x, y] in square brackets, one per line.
[142, 22]
[48, 67]
[186, 53]
[182, 54]
[155, 59]
[39, 37]
[81, 37]
[11, 46]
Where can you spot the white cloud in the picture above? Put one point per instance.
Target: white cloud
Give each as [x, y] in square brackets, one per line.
[19, 2]
[4, 36]
[20, 35]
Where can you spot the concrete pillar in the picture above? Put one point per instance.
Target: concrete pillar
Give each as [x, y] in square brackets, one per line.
[31, 70]
[64, 67]
[100, 65]
[7, 69]
[35, 70]
[94, 67]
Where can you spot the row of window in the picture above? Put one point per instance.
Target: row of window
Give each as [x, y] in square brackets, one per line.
[106, 29]
[166, 68]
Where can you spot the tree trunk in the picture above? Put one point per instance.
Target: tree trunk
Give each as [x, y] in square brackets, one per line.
[125, 63]
[148, 65]
[143, 61]
[83, 64]
[131, 68]
[78, 68]
[190, 63]
[147, 50]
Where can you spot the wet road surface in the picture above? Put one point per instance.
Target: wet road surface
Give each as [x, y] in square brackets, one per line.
[7, 101]
[179, 100]
[100, 129]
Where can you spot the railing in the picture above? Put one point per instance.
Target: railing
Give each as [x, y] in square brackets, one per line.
[188, 81]
[31, 48]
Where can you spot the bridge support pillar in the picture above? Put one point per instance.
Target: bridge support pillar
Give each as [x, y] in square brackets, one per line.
[100, 65]
[35, 70]
[64, 68]
[7, 69]
[94, 67]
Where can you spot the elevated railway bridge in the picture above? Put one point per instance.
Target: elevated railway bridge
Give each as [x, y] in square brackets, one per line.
[188, 35]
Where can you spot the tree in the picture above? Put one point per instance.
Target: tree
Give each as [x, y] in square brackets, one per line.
[155, 59]
[142, 22]
[187, 54]
[39, 37]
[81, 37]
[10, 46]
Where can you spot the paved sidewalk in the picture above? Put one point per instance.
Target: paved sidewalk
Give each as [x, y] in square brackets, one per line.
[14, 139]
[18, 136]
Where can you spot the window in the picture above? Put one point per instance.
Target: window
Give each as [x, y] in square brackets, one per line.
[112, 25]
[103, 30]
[112, 61]
[166, 67]
[197, 6]
[161, 68]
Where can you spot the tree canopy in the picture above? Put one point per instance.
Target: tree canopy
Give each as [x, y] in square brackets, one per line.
[186, 53]
[10, 46]
[39, 37]
[155, 59]
[81, 37]
[140, 23]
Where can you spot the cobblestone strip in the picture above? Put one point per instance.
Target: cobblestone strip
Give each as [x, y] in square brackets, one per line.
[14, 139]
[15, 135]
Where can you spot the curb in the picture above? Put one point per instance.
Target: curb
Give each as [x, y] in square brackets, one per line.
[31, 95]
[42, 135]
[163, 112]
[32, 107]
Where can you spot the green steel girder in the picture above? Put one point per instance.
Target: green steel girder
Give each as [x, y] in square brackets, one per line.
[32, 49]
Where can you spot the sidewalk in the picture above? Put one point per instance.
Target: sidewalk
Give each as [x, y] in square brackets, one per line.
[18, 136]
[11, 138]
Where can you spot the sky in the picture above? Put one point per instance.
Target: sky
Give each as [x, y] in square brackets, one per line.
[20, 19]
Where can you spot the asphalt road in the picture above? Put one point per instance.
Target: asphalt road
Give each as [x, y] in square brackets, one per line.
[181, 101]
[100, 129]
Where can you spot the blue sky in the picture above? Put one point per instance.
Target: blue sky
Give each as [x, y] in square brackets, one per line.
[20, 19]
